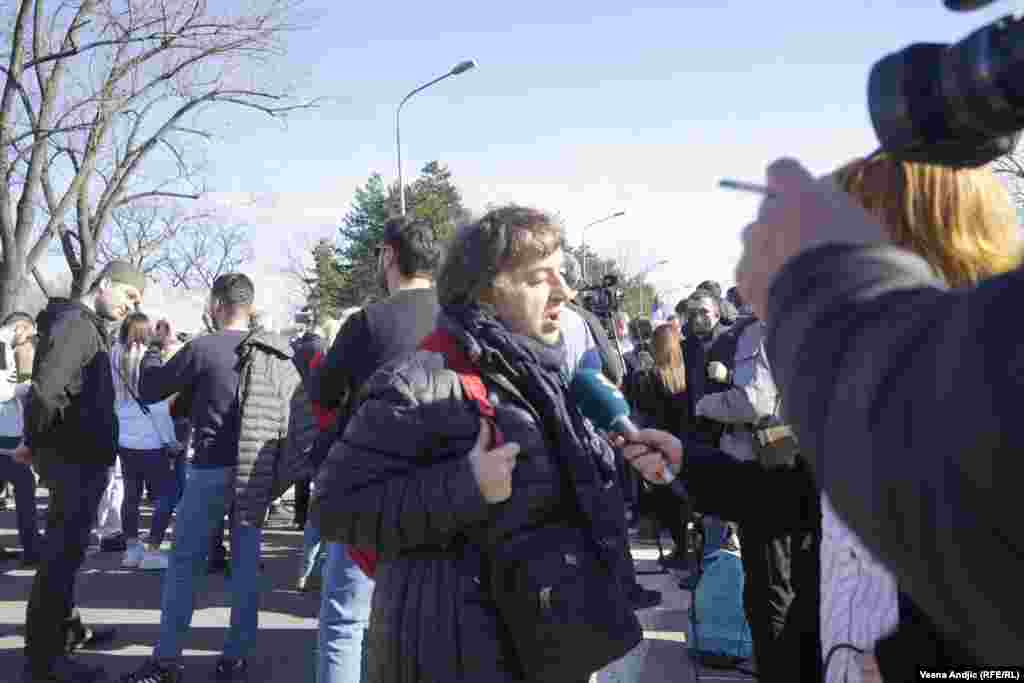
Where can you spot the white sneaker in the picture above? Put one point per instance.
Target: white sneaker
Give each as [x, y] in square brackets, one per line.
[133, 555]
[153, 560]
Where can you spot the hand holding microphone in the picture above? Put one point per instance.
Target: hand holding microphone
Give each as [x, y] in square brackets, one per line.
[718, 372]
[657, 455]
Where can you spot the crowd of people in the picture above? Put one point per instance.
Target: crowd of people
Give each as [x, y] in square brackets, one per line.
[466, 521]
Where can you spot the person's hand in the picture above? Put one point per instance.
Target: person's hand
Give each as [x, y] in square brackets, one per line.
[493, 468]
[23, 454]
[869, 669]
[649, 451]
[718, 372]
[801, 214]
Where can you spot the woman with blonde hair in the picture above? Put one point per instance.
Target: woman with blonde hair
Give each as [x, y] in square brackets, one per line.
[963, 223]
[661, 395]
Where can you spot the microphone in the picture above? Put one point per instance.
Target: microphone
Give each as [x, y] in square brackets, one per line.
[604, 405]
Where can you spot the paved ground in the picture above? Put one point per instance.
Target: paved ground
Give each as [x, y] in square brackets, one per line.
[129, 600]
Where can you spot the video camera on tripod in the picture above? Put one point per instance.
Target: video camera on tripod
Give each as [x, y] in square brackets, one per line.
[603, 300]
[958, 105]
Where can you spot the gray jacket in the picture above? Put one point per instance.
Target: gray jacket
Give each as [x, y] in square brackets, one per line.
[905, 399]
[752, 400]
[268, 441]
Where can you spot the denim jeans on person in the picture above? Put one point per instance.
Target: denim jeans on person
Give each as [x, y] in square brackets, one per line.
[155, 467]
[344, 615]
[24, 482]
[208, 493]
[75, 492]
[310, 551]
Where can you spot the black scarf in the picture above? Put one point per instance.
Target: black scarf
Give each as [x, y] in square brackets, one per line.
[537, 371]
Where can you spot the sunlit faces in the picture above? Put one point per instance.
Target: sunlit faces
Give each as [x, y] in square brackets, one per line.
[115, 300]
[529, 299]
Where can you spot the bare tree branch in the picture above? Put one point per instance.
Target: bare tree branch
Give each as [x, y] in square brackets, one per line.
[119, 89]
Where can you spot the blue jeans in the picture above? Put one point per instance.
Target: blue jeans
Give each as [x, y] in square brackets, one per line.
[208, 493]
[310, 550]
[344, 615]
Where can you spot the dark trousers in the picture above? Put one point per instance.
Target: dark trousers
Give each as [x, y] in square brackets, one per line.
[783, 616]
[302, 488]
[25, 499]
[51, 619]
[155, 467]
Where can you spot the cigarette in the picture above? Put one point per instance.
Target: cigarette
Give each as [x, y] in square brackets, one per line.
[746, 187]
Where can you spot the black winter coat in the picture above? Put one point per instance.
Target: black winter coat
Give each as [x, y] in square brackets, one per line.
[70, 408]
[399, 482]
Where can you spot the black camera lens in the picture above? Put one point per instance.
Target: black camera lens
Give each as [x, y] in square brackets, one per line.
[959, 105]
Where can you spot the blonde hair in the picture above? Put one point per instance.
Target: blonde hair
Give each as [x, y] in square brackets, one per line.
[961, 221]
[668, 358]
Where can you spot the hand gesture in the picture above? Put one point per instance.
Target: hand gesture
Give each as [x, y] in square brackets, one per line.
[718, 372]
[801, 214]
[650, 451]
[493, 468]
[23, 454]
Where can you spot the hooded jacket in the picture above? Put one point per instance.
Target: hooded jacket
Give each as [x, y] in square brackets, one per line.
[70, 407]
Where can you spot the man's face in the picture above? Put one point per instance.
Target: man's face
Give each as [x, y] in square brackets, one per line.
[529, 299]
[23, 329]
[703, 317]
[116, 300]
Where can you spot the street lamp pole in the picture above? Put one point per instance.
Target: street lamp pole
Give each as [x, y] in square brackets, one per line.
[459, 68]
[583, 240]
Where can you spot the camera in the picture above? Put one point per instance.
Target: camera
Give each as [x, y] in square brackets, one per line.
[958, 105]
[603, 300]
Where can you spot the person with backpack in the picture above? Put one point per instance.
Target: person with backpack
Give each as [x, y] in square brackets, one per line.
[371, 337]
[492, 504]
[240, 384]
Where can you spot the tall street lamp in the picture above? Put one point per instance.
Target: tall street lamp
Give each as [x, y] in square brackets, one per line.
[459, 68]
[583, 240]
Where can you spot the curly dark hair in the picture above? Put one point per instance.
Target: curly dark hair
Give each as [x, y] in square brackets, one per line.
[505, 238]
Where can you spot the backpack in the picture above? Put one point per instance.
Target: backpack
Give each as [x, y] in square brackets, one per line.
[718, 625]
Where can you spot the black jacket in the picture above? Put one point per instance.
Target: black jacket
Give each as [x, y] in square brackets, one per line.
[905, 398]
[70, 408]
[697, 354]
[779, 514]
[367, 340]
[400, 483]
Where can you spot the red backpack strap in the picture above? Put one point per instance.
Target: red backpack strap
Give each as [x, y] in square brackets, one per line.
[441, 341]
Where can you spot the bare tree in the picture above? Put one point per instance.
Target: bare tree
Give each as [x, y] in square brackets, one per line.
[173, 246]
[204, 251]
[105, 103]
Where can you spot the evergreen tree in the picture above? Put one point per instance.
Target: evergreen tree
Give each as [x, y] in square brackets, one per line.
[433, 196]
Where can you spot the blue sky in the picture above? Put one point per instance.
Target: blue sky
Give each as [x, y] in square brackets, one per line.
[580, 108]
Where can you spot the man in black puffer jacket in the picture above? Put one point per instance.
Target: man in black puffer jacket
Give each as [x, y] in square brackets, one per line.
[419, 479]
